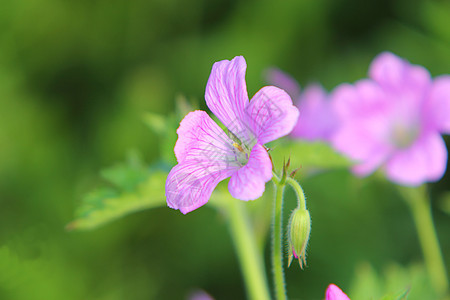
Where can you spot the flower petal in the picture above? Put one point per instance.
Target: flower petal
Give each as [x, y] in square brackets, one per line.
[200, 138]
[361, 139]
[335, 293]
[190, 184]
[284, 81]
[425, 160]
[271, 114]
[388, 69]
[226, 94]
[317, 120]
[440, 104]
[248, 183]
[362, 99]
[371, 163]
[399, 76]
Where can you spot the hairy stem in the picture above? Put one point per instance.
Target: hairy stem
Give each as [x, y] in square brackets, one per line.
[277, 241]
[299, 191]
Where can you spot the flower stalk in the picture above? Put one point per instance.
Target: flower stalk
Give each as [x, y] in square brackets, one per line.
[420, 206]
[249, 257]
[277, 240]
[302, 237]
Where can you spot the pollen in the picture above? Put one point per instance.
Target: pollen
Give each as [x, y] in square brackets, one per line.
[239, 147]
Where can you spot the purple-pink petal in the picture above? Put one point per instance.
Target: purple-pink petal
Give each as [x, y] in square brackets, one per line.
[248, 183]
[206, 157]
[439, 112]
[335, 293]
[200, 138]
[317, 119]
[393, 121]
[271, 114]
[393, 72]
[284, 81]
[363, 98]
[226, 94]
[206, 154]
[191, 183]
[425, 160]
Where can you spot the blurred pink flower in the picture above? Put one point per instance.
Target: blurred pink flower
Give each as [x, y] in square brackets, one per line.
[317, 120]
[394, 120]
[335, 293]
[207, 155]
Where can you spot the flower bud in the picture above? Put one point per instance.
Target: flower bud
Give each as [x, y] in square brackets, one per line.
[299, 229]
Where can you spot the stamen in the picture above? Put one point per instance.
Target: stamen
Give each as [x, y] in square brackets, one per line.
[239, 147]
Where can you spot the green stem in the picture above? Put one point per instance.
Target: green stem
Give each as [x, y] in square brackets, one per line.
[299, 191]
[249, 257]
[277, 258]
[420, 206]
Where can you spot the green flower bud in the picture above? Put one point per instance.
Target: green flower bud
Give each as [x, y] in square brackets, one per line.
[299, 229]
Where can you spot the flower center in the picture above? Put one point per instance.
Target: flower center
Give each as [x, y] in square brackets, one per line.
[404, 136]
[241, 153]
[241, 150]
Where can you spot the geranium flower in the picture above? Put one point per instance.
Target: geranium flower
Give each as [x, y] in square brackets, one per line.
[207, 155]
[335, 293]
[394, 120]
[318, 121]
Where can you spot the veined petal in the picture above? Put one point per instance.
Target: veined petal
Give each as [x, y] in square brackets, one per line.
[248, 183]
[226, 94]
[190, 184]
[271, 114]
[284, 81]
[425, 160]
[200, 138]
[439, 102]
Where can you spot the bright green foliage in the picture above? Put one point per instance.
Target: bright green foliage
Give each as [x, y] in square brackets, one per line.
[78, 77]
[165, 127]
[395, 283]
[135, 188]
[403, 295]
[26, 278]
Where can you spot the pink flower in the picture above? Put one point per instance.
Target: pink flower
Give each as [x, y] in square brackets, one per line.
[207, 155]
[335, 293]
[394, 120]
[318, 120]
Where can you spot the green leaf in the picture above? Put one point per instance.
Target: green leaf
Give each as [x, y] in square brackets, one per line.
[105, 205]
[396, 282]
[134, 188]
[309, 156]
[126, 175]
[402, 295]
[166, 128]
[156, 122]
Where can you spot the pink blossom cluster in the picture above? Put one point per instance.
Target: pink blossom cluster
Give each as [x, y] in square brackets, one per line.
[392, 120]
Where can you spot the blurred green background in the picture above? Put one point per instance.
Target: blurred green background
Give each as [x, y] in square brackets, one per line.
[76, 79]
